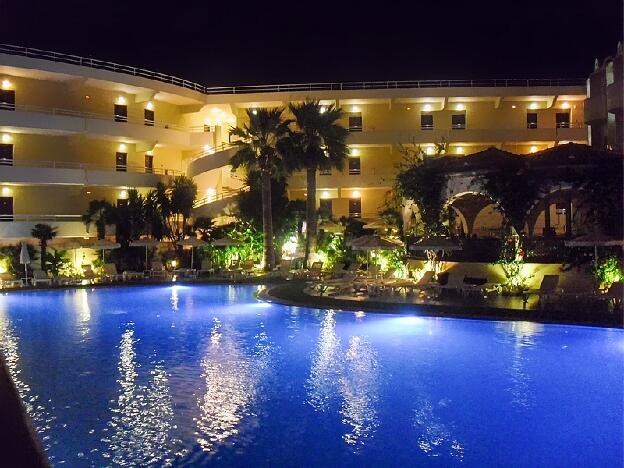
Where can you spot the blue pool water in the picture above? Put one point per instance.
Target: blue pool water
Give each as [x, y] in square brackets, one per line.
[194, 375]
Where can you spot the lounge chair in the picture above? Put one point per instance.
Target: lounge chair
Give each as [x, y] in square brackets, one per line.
[337, 286]
[111, 273]
[7, 280]
[315, 272]
[40, 277]
[158, 270]
[477, 286]
[547, 291]
[206, 267]
[89, 274]
[284, 269]
[63, 280]
[248, 268]
[425, 282]
[130, 275]
[454, 283]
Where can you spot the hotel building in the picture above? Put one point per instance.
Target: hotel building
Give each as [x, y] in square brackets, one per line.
[76, 129]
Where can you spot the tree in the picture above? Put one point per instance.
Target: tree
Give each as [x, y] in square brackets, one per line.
[100, 213]
[318, 143]
[173, 205]
[43, 232]
[258, 150]
[130, 218]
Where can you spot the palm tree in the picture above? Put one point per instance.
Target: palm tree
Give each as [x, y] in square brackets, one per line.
[258, 150]
[173, 206]
[100, 213]
[43, 232]
[318, 143]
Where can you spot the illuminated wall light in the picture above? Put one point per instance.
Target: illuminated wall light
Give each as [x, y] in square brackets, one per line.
[323, 109]
[460, 107]
[6, 191]
[429, 150]
[120, 101]
[356, 109]
[533, 105]
[149, 153]
[354, 152]
[408, 108]
[325, 194]
[459, 150]
[533, 149]
[427, 108]
[211, 193]
[513, 106]
[122, 148]
[356, 194]
[149, 106]
[6, 84]
[565, 105]
[123, 194]
[254, 111]
[6, 138]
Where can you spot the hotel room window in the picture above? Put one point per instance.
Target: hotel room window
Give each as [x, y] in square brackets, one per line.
[531, 119]
[326, 171]
[148, 117]
[326, 207]
[149, 163]
[426, 121]
[121, 162]
[6, 208]
[7, 99]
[121, 113]
[6, 154]
[354, 165]
[458, 121]
[355, 207]
[562, 120]
[355, 123]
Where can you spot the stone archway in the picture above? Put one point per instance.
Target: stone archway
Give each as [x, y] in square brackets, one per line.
[477, 213]
[556, 213]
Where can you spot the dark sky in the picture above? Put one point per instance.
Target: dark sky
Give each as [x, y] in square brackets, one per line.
[219, 42]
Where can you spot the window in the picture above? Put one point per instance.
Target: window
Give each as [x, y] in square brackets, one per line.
[121, 113]
[458, 121]
[121, 162]
[355, 123]
[354, 166]
[6, 154]
[609, 73]
[149, 163]
[148, 117]
[426, 121]
[6, 208]
[326, 171]
[563, 120]
[7, 99]
[531, 119]
[355, 207]
[326, 207]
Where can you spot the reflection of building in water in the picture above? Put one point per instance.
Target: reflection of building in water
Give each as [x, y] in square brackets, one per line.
[142, 416]
[326, 366]
[36, 409]
[232, 379]
[359, 389]
[435, 437]
[521, 336]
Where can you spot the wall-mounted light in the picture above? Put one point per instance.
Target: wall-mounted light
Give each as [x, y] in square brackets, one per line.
[533, 149]
[254, 111]
[429, 150]
[408, 108]
[565, 105]
[356, 109]
[513, 106]
[354, 152]
[460, 107]
[6, 191]
[356, 194]
[6, 84]
[323, 109]
[150, 152]
[122, 148]
[123, 194]
[149, 106]
[533, 105]
[120, 101]
[211, 193]
[325, 194]
[427, 108]
[6, 138]
[459, 150]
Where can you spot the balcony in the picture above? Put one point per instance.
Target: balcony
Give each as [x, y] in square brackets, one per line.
[366, 178]
[74, 173]
[19, 226]
[209, 160]
[213, 206]
[595, 108]
[48, 120]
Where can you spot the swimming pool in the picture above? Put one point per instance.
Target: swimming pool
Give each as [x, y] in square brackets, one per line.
[190, 375]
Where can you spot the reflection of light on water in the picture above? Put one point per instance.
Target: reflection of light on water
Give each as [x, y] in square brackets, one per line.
[435, 438]
[142, 414]
[326, 365]
[174, 298]
[231, 385]
[524, 336]
[9, 349]
[359, 391]
[81, 301]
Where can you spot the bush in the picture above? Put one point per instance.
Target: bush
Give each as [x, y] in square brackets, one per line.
[609, 271]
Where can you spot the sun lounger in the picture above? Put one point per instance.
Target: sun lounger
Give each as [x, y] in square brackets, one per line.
[206, 267]
[130, 275]
[248, 268]
[158, 271]
[8, 281]
[407, 285]
[547, 291]
[40, 277]
[284, 269]
[89, 274]
[454, 283]
[315, 272]
[477, 286]
[65, 280]
[337, 286]
[111, 273]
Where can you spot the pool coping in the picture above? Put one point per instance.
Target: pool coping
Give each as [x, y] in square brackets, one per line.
[293, 294]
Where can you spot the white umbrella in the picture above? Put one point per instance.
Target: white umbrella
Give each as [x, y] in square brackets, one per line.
[374, 242]
[330, 226]
[377, 224]
[72, 245]
[103, 244]
[225, 242]
[595, 240]
[192, 242]
[145, 243]
[24, 259]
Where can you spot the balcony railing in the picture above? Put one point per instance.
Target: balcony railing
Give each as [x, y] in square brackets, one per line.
[276, 88]
[227, 193]
[212, 150]
[39, 217]
[88, 166]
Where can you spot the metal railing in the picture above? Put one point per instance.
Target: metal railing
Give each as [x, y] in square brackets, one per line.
[39, 217]
[228, 193]
[88, 166]
[212, 150]
[278, 88]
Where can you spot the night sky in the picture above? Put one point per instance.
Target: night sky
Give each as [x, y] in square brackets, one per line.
[227, 43]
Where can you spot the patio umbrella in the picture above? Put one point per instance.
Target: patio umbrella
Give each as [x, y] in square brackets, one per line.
[192, 242]
[24, 259]
[145, 243]
[103, 244]
[377, 224]
[225, 242]
[330, 226]
[595, 240]
[374, 242]
[72, 245]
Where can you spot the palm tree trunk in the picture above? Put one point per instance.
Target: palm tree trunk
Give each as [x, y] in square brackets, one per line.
[267, 222]
[44, 250]
[311, 216]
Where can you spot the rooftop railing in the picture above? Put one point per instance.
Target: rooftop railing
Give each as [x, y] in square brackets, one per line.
[278, 88]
